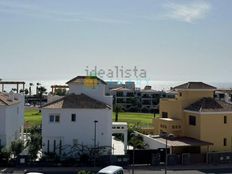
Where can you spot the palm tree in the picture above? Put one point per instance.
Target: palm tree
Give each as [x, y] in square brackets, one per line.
[40, 91]
[137, 142]
[117, 109]
[30, 84]
[37, 86]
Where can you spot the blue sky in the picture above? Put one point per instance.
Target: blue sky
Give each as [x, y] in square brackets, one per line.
[171, 40]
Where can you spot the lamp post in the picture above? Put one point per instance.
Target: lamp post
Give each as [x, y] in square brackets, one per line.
[166, 150]
[95, 140]
[166, 153]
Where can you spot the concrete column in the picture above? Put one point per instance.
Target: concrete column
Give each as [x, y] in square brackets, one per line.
[2, 87]
[23, 86]
[17, 88]
[125, 142]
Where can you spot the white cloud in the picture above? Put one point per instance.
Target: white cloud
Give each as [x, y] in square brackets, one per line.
[187, 12]
[8, 7]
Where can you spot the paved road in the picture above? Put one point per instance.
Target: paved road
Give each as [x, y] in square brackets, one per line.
[127, 171]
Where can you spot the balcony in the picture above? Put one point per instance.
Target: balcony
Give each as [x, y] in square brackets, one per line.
[170, 125]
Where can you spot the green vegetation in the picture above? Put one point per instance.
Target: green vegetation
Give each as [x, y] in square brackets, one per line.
[33, 117]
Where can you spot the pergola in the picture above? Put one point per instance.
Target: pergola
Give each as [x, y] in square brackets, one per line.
[17, 83]
[54, 87]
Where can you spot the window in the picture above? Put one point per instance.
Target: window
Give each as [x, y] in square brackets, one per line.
[225, 119]
[73, 117]
[57, 119]
[225, 142]
[192, 120]
[164, 115]
[54, 118]
[180, 94]
[51, 118]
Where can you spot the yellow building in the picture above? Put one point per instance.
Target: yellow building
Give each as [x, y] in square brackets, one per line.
[194, 113]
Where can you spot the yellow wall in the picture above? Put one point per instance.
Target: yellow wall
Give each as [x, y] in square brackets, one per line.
[189, 97]
[209, 128]
[175, 108]
[214, 130]
[190, 130]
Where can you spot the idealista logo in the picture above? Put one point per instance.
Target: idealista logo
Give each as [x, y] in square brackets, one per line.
[117, 72]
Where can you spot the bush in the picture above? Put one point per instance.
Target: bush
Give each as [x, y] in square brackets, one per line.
[84, 172]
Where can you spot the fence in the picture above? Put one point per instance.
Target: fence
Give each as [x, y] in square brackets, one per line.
[219, 158]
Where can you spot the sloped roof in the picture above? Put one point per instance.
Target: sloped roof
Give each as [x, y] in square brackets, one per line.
[5, 101]
[194, 85]
[210, 105]
[76, 101]
[86, 77]
[121, 89]
[183, 141]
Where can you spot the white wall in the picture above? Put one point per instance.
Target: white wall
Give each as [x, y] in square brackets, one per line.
[98, 92]
[12, 127]
[151, 142]
[11, 121]
[2, 125]
[82, 129]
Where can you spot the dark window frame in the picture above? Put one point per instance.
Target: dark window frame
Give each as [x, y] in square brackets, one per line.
[192, 120]
[51, 118]
[73, 117]
[57, 118]
[225, 141]
[164, 115]
[225, 119]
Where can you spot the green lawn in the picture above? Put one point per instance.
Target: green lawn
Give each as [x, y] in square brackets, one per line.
[33, 117]
[133, 118]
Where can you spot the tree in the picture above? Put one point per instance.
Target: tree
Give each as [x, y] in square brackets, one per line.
[40, 91]
[37, 87]
[4, 154]
[30, 85]
[25, 91]
[117, 109]
[84, 172]
[60, 92]
[17, 147]
[35, 142]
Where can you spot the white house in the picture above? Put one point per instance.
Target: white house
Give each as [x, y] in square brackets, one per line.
[11, 117]
[83, 117]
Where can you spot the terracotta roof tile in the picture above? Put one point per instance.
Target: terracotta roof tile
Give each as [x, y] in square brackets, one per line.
[210, 105]
[194, 85]
[76, 101]
[5, 101]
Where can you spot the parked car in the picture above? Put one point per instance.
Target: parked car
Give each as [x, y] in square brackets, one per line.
[111, 170]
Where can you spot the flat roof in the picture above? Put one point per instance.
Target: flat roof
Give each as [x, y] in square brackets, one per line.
[119, 123]
[182, 141]
[169, 119]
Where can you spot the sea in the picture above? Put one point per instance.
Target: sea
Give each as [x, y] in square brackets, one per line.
[156, 85]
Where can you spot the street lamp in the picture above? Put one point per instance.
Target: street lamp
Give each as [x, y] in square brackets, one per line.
[167, 135]
[95, 140]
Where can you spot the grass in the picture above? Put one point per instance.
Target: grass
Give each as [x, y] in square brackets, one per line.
[133, 118]
[32, 117]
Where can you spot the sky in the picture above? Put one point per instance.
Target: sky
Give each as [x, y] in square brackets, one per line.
[169, 40]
